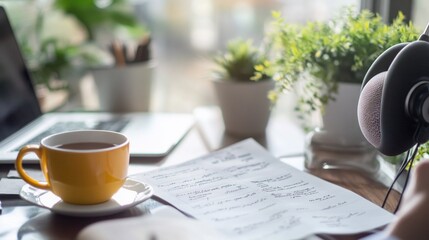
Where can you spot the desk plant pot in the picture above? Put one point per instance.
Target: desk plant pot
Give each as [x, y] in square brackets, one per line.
[340, 142]
[243, 101]
[126, 88]
[340, 117]
[244, 105]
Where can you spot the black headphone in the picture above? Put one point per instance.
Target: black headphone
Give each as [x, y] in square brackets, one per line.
[393, 107]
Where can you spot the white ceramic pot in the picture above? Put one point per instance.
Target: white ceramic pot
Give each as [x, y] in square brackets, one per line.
[340, 117]
[125, 89]
[244, 105]
[341, 144]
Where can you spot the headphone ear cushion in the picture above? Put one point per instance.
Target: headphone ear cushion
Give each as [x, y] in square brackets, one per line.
[383, 62]
[369, 109]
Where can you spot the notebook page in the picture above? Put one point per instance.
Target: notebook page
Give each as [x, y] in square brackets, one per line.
[246, 193]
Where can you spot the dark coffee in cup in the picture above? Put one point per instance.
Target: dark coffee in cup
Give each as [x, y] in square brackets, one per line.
[85, 145]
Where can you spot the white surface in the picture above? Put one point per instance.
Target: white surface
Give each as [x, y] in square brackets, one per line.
[246, 193]
[131, 193]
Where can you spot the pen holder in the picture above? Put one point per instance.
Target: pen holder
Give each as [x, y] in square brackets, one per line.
[125, 88]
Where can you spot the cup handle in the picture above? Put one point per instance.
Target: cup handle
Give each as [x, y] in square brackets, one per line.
[18, 165]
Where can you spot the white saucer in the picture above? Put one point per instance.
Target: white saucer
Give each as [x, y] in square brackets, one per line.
[129, 195]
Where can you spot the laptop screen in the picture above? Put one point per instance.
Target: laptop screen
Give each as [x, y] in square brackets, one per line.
[18, 101]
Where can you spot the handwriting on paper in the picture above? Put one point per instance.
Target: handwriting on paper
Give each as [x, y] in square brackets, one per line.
[248, 194]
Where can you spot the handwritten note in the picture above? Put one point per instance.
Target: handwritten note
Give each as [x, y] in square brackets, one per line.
[246, 193]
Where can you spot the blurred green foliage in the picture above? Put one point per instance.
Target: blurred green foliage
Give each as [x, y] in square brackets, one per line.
[52, 58]
[318, 55]
[93, 13]
[238, 62]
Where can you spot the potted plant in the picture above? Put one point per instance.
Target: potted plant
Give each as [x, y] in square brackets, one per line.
[243, 101]
[54, 46]
[126, 86]
[58, 39]
[317, 57]
[113, 25]
[325, 64]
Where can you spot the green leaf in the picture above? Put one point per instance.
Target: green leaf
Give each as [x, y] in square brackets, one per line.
[341, 49]
[240, 61]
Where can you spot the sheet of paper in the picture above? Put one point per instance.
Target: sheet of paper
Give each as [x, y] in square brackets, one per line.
[246, 193]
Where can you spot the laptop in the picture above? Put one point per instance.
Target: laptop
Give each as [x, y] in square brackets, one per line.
[22, 121]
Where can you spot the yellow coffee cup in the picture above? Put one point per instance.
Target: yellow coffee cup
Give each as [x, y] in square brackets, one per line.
[80, 167]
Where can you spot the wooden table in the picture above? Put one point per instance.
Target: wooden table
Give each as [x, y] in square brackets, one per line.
[20, 220]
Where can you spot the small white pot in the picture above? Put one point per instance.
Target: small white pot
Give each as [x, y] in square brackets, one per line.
[245, 106]
[341, 144]
[340, 118]
[125, 89]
